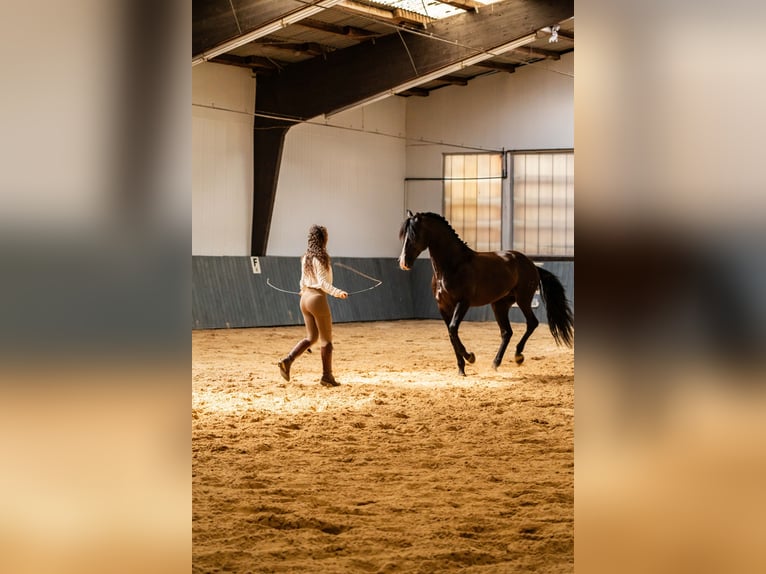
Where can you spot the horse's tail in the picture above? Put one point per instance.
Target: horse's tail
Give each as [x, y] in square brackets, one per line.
[560, 318]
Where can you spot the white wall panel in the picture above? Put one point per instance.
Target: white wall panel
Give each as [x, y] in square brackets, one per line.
[348, 176]
[222, 164]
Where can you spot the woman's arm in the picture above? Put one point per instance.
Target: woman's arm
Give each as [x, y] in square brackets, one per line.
[324, 281]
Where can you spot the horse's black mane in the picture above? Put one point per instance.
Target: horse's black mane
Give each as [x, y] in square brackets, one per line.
[449, 227]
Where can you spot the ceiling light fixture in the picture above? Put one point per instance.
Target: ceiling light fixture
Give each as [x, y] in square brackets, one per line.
[553, 31]
[270, 28]
[485, 55]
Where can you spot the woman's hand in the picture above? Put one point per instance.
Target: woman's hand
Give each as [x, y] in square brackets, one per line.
[342, 295]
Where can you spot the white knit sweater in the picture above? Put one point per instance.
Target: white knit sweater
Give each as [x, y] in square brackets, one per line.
[320, 279]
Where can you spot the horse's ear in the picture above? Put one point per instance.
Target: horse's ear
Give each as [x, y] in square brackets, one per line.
[409, 213]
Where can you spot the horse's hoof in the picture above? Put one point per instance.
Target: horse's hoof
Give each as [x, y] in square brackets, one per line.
[519, 359]
[470, 357]
[495, 366]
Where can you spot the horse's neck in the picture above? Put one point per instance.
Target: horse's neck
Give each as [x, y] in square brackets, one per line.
[446, 254]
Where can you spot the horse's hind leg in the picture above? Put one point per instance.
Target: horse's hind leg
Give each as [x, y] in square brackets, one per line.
[525, 304]
[453, 321]
[500, 308]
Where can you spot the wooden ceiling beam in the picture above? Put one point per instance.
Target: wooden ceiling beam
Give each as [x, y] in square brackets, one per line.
[402, 16]
[255, 63]
[393, 16]
[467, 5]
[346, 31]
[454, 80]
[311, 48]
[546, 54]
[420, 92]
[223, 25]
[501, 66]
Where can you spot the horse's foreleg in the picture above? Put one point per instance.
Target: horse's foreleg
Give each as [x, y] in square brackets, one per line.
[500, 308]
[462, 355]
[526, 307]
[454, 324]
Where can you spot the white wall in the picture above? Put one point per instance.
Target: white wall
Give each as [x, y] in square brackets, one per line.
[222, 159]
[346, 177]
[532, 108]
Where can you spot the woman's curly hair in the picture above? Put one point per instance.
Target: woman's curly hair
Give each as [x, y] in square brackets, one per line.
[317, 244]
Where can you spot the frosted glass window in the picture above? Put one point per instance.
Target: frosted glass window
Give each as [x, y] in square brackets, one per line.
[543, 203]
[473, 198]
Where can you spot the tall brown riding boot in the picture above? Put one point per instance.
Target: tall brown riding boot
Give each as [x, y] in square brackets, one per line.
[327, 379]
[284, 364]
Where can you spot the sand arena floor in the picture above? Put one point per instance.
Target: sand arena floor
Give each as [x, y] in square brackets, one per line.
[406, 467]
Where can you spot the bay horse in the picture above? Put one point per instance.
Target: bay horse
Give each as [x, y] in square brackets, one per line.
[465, 278]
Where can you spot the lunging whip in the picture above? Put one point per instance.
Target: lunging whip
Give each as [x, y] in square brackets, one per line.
[378, 282]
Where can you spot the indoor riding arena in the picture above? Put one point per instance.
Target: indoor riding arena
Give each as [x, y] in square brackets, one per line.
[361, 117]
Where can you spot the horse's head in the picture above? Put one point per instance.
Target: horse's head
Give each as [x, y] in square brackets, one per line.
[414, 237]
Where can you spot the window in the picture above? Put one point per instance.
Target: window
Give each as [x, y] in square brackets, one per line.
[543, 202]
[473, 198]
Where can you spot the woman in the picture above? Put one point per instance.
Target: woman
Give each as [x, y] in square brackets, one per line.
[316, 284]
